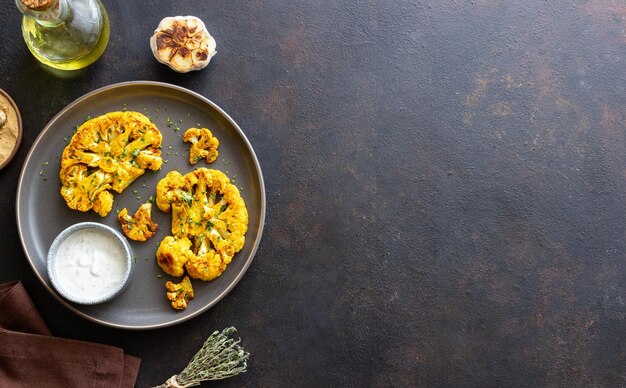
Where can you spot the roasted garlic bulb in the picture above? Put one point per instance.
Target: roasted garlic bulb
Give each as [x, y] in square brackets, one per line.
[183, 43]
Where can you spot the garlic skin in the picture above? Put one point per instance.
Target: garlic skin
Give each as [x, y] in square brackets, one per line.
[183, 43]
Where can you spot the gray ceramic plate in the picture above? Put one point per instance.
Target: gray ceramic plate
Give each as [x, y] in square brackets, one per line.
[42, 213]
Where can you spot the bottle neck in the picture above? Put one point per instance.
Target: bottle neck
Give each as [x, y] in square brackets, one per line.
[52, 16]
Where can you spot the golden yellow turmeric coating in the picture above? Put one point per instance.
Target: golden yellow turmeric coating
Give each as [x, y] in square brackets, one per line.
[107, 153]
[140, 226]
[179, 293]
[203, 145]
[209, 222]
[172, 255]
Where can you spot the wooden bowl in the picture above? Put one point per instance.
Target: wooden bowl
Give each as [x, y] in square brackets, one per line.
[18, 139]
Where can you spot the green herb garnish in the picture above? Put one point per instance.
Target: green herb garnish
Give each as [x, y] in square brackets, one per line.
[219, 358]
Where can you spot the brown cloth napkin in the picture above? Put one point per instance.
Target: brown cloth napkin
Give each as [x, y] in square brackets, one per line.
[31, 357]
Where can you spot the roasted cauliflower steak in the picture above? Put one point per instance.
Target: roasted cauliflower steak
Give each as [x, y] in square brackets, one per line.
[107, 153]
[209, 223]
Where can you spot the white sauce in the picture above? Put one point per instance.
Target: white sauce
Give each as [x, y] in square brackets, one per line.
[90, 263]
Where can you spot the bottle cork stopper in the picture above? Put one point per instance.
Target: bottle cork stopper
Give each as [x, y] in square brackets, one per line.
[36, 5]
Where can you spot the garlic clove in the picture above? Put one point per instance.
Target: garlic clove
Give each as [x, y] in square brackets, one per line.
[183, 43]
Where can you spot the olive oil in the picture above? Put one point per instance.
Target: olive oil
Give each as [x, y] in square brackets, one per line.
[68, 34]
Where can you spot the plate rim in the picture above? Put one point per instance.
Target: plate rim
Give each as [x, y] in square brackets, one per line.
[121, 85]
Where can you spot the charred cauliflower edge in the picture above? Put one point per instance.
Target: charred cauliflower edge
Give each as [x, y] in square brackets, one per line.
[140, 226]
[179, 294]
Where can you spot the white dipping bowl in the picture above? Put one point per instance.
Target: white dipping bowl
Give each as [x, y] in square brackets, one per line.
[90, 263]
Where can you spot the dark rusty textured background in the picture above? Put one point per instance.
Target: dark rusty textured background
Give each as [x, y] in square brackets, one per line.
[446, 187]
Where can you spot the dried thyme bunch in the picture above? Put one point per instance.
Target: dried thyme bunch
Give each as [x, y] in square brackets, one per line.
[220, 357]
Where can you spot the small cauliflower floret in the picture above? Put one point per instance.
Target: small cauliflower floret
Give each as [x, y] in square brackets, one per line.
[179, 293]
[203, 145]
[140, 226]
[172, 255]
[208, 213]
[106, 153]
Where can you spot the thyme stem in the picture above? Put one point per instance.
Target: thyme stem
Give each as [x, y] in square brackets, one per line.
[219, 358]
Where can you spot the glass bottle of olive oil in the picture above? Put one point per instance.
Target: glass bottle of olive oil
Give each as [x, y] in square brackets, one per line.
[65, 34]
